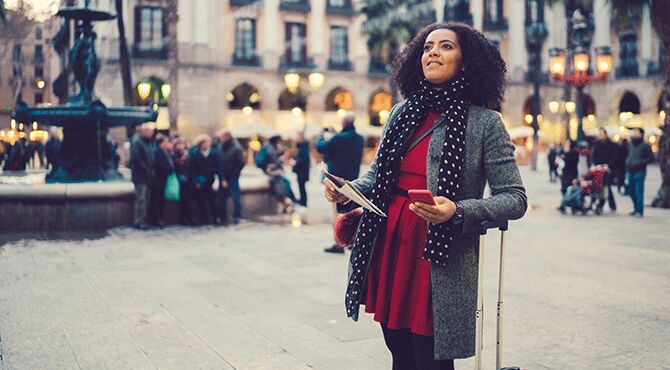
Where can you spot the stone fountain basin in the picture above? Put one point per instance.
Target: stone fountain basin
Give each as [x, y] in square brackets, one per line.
[101, 205]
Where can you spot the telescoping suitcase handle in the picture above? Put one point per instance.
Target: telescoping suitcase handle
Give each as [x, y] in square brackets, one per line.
[484, 227]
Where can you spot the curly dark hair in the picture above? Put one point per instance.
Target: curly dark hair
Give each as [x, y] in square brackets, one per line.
[484, 67]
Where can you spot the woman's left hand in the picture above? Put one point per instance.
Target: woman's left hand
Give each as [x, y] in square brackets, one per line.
[442, 211]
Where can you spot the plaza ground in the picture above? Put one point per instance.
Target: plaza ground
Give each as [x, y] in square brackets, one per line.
[582, 292]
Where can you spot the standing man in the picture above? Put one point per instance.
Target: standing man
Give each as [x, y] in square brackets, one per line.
[232, 163]
[302, 166]
[344, 152]
[605, 152]
[639, 156]
[142, 172]
[205, 166]
[163, 167]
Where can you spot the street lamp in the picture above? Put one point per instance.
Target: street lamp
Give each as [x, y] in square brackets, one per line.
[316, 80]
[536, 33]
[292, 81]
[144, 90]
[580, 75]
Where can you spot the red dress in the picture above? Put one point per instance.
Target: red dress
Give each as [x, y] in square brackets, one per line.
[398, 288]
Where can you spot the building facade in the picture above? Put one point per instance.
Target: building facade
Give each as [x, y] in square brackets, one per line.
[234, 56]
[25, 73]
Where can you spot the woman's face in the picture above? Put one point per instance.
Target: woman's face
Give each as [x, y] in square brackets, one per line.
[442, 58]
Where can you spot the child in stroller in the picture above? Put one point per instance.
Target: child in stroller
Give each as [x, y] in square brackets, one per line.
[589, 192]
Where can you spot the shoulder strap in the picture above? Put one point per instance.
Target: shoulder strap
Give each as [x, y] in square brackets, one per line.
[438, 123]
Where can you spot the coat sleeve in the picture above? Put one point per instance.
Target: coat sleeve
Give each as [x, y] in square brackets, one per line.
[508, 199]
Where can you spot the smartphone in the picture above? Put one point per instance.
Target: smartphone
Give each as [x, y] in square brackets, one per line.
[421, 195]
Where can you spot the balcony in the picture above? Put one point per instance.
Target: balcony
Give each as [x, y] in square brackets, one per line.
[141, 51]
[343, 11]
[378, 67]
[235, 3]
[339, 65]
[306, 64]
[301, 6]
[654, 67]
[254, 61]
[495, 25]
[628, 69]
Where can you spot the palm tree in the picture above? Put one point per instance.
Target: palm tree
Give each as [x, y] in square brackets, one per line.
[124, 56]
[658, 10]
[390, 24]
[171, 20]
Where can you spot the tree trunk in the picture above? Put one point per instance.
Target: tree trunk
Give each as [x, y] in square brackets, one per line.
[659, 10]
[173, 61]
[123, 56]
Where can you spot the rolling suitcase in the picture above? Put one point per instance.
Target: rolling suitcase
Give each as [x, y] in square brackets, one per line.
[479, 323]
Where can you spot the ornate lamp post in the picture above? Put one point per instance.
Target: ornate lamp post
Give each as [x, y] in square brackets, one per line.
[536, 33]
[580, 76]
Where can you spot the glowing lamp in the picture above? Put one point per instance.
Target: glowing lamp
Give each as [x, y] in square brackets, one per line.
[554, 106]
[604, 60]
[144, 90]
[581, 60]
[292, 81]
[528, 118]
[316, 80]
[556, 62]
[570, 106]
[166, 89]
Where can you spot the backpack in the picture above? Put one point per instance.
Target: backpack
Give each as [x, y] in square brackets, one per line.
[262, 157]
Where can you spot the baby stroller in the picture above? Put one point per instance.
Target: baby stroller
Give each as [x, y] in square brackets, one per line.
[587, 193]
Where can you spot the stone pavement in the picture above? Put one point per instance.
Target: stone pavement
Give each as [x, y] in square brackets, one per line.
[582, 292]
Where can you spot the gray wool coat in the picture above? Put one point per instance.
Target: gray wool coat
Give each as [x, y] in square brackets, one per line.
[489, 157]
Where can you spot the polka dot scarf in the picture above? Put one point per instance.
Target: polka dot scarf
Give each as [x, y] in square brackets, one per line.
[450, 102]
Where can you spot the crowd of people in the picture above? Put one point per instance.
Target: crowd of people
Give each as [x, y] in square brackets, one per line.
[154, 158]
[26, 154]
[588, 173]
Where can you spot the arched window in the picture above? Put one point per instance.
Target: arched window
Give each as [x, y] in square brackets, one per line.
[380, 107]
[244, 95]
[289, 100]
[339, 98]
[629, 103]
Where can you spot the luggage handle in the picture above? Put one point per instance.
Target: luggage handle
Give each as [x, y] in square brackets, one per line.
[484, 226]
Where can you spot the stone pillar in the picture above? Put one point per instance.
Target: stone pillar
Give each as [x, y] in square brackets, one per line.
[477, 11]
[316, 27]
[602, 15]
[645, 42]
[438, 5]
[273, 40]
[517, 48]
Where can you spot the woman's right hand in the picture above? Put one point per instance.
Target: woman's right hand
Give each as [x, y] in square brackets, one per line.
[333, 195]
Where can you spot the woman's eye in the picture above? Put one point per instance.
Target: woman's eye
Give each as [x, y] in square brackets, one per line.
[447, 46]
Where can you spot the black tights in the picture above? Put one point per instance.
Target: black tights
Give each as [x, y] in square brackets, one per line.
[412, 351]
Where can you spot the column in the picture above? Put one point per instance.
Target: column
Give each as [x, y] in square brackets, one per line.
[645, 42]
[316, 26]
[477, 11]
[517, 45]
[438, 5]
[602, 15]
[273, 40]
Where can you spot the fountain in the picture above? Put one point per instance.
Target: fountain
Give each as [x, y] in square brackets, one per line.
[84, 155]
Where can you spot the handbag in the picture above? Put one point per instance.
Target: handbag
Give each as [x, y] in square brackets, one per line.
[346, 226]
[171, 191]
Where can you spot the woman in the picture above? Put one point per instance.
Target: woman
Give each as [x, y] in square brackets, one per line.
[163, 167]
[417, 269]
[183, 170]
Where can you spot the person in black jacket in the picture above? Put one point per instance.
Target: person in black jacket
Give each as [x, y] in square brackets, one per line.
[605, 152]
[344, 152]
[205, 167]
[183, 169]
[639, 156]
[142, 172]
[163, 167]
[570, 158]
[232, 163]
[302, 166]
[52, 148]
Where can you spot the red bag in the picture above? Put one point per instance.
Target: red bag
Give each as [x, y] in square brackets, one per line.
[346, 226]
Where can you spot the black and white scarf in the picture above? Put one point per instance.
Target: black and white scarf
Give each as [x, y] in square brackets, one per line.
[450, 101]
